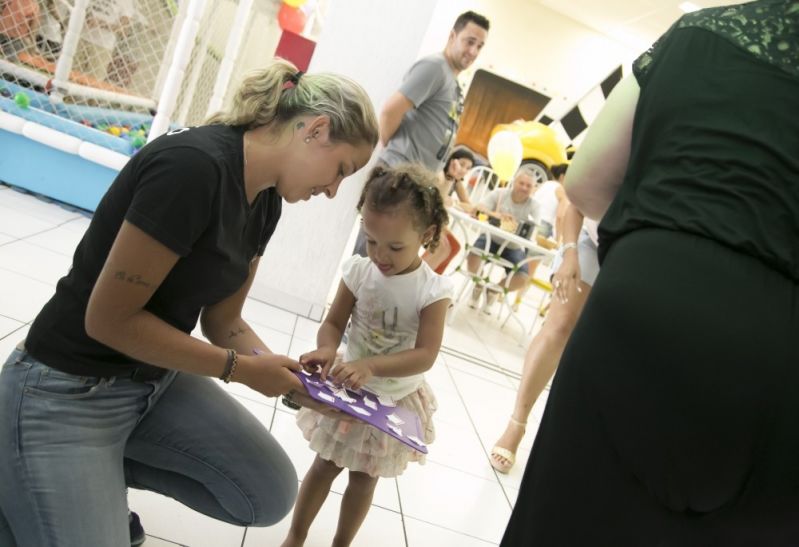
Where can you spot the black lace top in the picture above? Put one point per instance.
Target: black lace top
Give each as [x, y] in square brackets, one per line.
[715, 147]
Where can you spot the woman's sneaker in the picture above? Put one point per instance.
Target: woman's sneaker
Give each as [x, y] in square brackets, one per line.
[137, 536]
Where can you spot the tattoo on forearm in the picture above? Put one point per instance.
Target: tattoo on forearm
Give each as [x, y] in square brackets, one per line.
[234, 333]
[133, 279]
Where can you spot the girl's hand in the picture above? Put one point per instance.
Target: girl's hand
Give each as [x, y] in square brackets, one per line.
[324, 357]
[567, 278]
[268, 373]
[353, 375]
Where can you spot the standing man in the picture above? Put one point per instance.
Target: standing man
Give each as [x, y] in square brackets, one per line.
[419, 121]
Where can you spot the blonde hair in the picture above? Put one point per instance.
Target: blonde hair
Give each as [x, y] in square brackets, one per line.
[274, 95]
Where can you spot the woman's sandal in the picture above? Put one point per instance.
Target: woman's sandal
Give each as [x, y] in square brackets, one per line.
[506, 455]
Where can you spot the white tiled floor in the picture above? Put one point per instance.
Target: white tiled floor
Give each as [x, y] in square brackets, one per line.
[455, 499]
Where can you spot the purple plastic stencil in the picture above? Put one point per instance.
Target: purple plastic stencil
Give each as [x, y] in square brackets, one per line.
[401, 423]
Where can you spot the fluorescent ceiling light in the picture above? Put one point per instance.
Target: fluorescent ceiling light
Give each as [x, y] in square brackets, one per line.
[688, 7]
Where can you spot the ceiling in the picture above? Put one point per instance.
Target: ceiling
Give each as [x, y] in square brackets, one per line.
[636, 23]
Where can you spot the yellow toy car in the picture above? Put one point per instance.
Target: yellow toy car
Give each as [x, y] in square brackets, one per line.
[541, 148]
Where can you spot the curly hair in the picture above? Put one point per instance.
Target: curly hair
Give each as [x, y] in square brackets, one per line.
[410, 185]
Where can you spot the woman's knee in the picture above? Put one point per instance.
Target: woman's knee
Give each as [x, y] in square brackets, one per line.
[274, 501]
[562, 317]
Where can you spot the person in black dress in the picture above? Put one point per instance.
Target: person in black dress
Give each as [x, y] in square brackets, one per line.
[673, 419]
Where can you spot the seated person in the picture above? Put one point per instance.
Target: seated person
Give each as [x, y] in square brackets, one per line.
[450, 178]
[513, 204]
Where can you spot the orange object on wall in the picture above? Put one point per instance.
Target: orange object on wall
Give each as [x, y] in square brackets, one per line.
[295, 48]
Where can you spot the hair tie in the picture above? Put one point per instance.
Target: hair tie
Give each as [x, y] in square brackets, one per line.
[293, 80]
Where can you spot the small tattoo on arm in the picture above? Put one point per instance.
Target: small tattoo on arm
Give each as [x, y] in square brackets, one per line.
[133, 279]
[234, 333]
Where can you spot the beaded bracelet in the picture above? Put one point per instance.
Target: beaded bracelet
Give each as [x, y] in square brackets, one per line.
[230, 366]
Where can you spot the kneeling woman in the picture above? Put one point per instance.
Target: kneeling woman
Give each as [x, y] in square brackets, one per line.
[110, 389]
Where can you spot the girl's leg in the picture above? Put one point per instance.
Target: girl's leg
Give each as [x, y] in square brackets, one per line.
[354, 507]
[200, 446]
[313, 492]
[540, 363]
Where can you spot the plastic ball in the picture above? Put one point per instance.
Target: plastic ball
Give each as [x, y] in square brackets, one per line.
[138, 141]
[294, 3]
[115, 130]
[22, 99]
[291, 19]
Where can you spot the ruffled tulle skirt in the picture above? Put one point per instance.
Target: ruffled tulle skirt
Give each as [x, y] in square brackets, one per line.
[361, 447]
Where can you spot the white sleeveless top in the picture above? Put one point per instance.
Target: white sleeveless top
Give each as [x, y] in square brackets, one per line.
[547, 199]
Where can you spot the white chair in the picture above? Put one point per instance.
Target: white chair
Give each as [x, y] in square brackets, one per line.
[479, 181]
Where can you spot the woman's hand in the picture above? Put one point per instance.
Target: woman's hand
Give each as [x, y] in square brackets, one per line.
[303, 399]
[567, 278]
[323, 357]
[268, 373]
[353, 375]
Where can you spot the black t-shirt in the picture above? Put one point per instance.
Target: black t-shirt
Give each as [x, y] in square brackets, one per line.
[186, 190]
[715, 143]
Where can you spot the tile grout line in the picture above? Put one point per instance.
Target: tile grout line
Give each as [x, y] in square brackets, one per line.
[487, 455]
[453, 530]
[401, 512]
[479, 362]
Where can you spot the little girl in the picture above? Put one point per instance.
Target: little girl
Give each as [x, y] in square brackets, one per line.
[396, 306]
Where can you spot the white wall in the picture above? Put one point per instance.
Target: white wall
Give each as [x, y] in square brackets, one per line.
[535, 46]
[303, 258]
[374, 42]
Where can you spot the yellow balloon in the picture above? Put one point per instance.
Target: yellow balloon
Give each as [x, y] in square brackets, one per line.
[294, 3]
[504, 164]
[505, 154]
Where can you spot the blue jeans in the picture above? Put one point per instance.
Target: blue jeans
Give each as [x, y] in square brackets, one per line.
[69, 445]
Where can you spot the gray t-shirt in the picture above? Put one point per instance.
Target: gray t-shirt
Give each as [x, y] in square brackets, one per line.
[526, 210]
[429, 128]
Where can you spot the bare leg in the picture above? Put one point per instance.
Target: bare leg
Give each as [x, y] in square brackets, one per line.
[540, 363]
[313, 491]
[473, 263]
[354, 506]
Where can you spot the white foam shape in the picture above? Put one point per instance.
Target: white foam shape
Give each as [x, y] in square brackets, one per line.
[305, 372]
[343, 395]
[370, 403]
[394, 419]
[415, 440]
[385, 400]
[395, 429]
[327, 397]
[361, 411]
